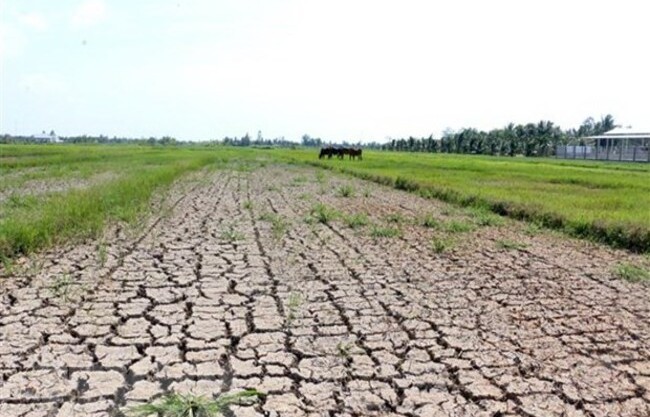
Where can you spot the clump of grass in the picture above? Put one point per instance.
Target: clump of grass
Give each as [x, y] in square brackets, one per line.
[458, 226]
[320, 177]
[231, 234]
[299, 180]
[323, 214]
[367, 193]
[405, 184]
[178, 405]
[292, 305]
[278, 227]
[62, 287]
[396, 218]
[384, 232]
[430, 222]
[21, 201]
[484, 217]
[344, 350]
[248, 205]
[102, 254]
[346, 191]
[356, 220]
[533, 229]
[440, 245]
[305, 196]
[507, 244]
[631, 272]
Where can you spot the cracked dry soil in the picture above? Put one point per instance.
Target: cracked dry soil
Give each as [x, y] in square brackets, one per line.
[323, 318]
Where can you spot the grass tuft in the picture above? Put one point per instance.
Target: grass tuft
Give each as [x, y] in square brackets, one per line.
[430, 222]
[507, 244]
[323, 214]
[440, 245]
[384, 232]
[632, 273]
[178, 405]
[230, 234]
[346, 191]
[356, 220]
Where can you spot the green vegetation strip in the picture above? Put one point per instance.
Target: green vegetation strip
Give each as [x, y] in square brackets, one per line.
[601, 201]
[31, 223]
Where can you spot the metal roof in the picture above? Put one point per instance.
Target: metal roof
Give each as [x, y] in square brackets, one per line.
[623, 133]
[627, 131]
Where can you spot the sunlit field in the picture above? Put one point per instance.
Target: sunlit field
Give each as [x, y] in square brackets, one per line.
[604, 201]
[51, 194]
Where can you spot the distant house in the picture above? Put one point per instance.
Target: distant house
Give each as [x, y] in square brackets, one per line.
[46, 138]
[618, 144]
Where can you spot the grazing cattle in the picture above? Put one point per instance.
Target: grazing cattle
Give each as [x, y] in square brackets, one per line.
[340, 153]
[327, 152]
[355, 153]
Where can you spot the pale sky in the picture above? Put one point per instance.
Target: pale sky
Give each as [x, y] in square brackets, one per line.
[339, 70]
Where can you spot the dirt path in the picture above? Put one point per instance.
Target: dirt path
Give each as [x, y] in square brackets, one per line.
[327, 320]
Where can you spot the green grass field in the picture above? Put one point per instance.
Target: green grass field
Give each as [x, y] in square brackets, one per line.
[601, 201]
[130, 175]
[607, 202]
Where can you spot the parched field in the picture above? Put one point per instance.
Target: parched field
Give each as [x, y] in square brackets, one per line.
[332, 295]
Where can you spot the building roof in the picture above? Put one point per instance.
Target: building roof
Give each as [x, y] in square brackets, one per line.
[627, 132]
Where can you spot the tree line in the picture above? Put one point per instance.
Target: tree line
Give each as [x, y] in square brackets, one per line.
[530, 139]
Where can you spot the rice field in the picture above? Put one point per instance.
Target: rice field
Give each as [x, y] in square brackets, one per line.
[607, 202]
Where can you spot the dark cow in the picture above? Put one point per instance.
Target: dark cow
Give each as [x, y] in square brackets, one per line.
[327, 152]
[355, 153]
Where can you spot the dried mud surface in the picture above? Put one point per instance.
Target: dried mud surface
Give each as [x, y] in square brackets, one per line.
[213, 297]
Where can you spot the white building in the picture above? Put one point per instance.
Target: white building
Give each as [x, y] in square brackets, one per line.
[618, 144]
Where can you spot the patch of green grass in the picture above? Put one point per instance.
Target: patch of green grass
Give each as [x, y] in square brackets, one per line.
[323, 214]
[384, 232]
[356, 220]
[132, 176]
[483, 217]
[62, 287]
[396, 218]
[603, 201]
[631, 272]
[367, 192]
[279, 227]
[16, 201]
[507, 244]
[293, 304]
[346, 191]
[440, 245]
[231, 234]
[248, 205]
[430, 221]
[102, 254]
[300, 179]
[458, 226]
[532, 229]
[344, 350]
[178, 405]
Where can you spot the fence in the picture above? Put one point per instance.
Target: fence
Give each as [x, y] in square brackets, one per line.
[611, 153]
